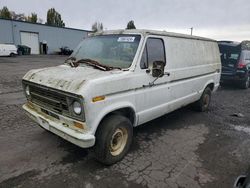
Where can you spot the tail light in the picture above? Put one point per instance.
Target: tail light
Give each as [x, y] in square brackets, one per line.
[241, 65]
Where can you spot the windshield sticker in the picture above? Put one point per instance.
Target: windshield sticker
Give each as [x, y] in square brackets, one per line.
[126, 39]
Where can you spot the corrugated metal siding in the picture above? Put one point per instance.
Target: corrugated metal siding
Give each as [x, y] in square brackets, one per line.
[56, 37]
[6, 36]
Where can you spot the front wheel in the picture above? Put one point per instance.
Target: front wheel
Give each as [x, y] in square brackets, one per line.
[113, 139]
[203, 103]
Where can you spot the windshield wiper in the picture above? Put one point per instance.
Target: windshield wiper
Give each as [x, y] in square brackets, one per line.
[91, 62]
[94, 63]
[69, 60]
[111, 68]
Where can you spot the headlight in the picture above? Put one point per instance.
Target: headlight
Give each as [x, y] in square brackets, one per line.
[27, 90]
[77, 107]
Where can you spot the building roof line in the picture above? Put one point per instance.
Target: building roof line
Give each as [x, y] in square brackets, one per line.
[45, 25]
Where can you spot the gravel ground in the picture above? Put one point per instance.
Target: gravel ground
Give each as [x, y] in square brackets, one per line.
[181, 149]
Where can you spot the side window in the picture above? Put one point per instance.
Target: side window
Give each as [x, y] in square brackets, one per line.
[154, 51]
[248, 55]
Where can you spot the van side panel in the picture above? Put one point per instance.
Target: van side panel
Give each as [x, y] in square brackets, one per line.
[187, 58]
[192, 65]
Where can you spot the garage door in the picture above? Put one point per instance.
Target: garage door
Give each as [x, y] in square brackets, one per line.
[30, 40]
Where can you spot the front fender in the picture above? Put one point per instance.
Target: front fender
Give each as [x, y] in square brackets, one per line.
[111, 108]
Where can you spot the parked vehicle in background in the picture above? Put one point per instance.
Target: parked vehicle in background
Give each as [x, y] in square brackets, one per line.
[65, 50]
[23, 50]
[8, 50]
[235, 59]
[117, 80]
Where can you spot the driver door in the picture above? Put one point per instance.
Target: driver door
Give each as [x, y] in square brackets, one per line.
[152, 98]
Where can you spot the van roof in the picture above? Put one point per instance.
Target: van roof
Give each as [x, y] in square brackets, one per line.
[146, 32]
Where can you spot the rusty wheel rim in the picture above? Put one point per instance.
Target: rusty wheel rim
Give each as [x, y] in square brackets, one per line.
[206, 100]
[118, 141]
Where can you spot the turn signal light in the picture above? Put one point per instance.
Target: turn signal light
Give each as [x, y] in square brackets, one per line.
[99, 98]
[78, 125]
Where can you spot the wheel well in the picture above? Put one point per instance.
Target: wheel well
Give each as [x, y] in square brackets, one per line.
[211, 86]
[127, 112]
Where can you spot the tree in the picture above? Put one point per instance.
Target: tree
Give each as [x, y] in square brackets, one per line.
[5, 13]
[131, 25]
[54, 18]
[15, 16]
[97, 26]
[32, 18]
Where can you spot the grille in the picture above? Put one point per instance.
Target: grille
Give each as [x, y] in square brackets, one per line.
[49, 99]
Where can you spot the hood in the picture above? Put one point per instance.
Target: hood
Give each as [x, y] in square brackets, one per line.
[64, 77]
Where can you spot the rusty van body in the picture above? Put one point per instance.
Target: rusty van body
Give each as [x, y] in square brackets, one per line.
[117, 80]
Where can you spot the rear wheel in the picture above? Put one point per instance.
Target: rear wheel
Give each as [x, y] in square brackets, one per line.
[245, 83]
[12, 55]
[113, 139]
[203, 103]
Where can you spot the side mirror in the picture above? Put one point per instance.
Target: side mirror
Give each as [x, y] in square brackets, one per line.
[158, 69]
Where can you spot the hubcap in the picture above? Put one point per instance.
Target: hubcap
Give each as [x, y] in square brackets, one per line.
[118, 141]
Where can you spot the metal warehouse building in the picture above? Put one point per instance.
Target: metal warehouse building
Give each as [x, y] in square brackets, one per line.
[39, 37]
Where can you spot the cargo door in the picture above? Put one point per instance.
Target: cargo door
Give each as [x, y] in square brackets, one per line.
[31, 40]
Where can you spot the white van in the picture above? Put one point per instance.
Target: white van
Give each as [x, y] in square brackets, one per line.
[8, 50]
[117, 80]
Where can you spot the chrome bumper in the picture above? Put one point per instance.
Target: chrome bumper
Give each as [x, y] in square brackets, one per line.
[83, 140]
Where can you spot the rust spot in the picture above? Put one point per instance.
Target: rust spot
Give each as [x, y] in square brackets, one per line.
[31, 106]
[79, 125]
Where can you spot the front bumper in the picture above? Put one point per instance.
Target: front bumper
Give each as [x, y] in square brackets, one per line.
[83, 140]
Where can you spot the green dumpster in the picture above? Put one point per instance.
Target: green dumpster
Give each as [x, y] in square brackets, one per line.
[23, 50]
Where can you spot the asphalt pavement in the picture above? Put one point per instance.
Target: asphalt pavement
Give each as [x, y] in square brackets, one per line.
[182, 149]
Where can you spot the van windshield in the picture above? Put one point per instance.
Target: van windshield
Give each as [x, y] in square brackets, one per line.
[229, 56]
[109, 50]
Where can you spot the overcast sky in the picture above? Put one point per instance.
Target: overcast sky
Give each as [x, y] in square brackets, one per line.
[217, 19]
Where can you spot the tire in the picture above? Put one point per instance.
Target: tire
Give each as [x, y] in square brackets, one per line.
[113, 139]
[245, 84]
[203, 103]
[12, 55]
